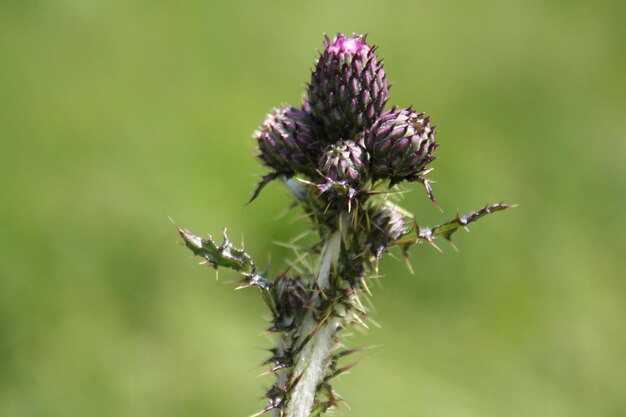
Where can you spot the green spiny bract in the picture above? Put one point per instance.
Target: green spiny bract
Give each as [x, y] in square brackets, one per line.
[341, 156]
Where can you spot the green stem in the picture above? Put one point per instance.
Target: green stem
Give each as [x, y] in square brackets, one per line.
[312, 361]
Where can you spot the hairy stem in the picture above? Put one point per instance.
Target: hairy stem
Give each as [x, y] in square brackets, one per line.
[313, 360]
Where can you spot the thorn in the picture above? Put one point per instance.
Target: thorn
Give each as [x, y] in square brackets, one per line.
[265, 410]
[266, 179]
[308, 338]
[360, 306]
[172, 221]
[244, 286]
[344, 369]
[374, 322]
[360, 321]
[433, 244]
[407, 262]
[347, 352]
[356, 350]
[294, 382]
[429, 191]
[364, 284]
[274, 369]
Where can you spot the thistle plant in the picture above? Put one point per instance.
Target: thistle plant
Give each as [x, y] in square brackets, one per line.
[343, 155]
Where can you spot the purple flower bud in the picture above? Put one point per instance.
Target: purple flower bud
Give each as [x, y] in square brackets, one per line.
[345, 160]
[290, 295]
[285, 140]
[401, 144]
[387, 226]
[348, 88]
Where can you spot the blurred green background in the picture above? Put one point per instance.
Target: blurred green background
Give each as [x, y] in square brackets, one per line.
[117, 114]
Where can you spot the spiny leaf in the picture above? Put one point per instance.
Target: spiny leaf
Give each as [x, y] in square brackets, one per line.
[427, 234]
[224, 255]
[228, 256]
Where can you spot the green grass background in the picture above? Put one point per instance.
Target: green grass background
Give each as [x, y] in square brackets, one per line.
[117, 114]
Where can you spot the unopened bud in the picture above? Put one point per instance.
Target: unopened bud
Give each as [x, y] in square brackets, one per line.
[348, 89]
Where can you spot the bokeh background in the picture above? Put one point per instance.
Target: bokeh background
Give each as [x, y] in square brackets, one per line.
[117, 114]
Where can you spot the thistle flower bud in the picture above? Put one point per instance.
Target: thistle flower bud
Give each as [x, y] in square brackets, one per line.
[387, 227]
[348, 89]
[401, 144]
[290, 295]
[345, 160]
[286, 141]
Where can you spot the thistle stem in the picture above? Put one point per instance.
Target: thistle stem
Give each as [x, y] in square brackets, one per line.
[340, 153]
[314, 358]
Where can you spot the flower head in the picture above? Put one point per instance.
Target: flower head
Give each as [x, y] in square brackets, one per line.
[345, 160]
[286, 142]
[401, 144]
[348, 89]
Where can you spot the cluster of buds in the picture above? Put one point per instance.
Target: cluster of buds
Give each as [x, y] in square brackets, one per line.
[342, 134]
[340, 154]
